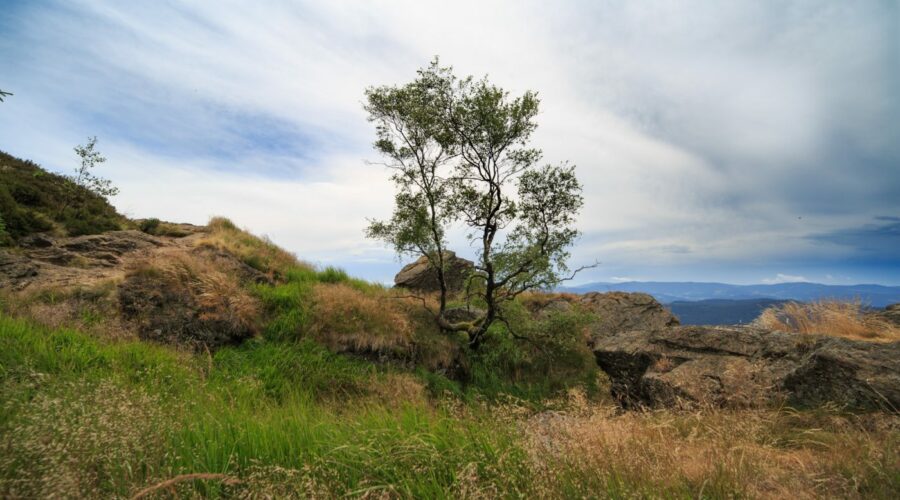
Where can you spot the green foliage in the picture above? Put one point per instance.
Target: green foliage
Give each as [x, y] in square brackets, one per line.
[553, 358]
[85, 178]
[256, 415]
[290, 369]
[287, 304]
[34, 200]
[333, 275]
[4, 236]
[459, 151]
[149, 226]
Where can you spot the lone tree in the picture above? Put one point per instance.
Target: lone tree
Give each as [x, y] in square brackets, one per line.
[459, 153]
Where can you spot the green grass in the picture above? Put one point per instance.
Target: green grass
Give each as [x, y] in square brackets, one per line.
[246, 412]
[288, 303]
[83, 417]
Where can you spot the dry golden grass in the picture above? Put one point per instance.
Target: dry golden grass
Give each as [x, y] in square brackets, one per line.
[219, 295]
[846, 319]
[346, 319]
[167, 292]
[768, 453]
[257, 252]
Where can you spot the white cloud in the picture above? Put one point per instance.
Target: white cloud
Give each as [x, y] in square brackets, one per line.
[784, 278]
[699, 131]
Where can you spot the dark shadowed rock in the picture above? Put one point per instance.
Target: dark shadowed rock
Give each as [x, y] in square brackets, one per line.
[421, 276]
[742, 366]
[622, 312]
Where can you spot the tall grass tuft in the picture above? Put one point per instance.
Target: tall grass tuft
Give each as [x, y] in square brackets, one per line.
[848, 319]
[257, 252]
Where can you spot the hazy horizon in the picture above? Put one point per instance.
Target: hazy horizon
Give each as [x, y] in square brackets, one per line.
[742, 142]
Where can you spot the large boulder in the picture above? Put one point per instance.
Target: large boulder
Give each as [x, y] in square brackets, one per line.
[421, 276]
[622, 312]
[743, 366]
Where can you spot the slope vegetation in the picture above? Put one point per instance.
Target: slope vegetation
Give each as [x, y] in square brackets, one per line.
[34, 200]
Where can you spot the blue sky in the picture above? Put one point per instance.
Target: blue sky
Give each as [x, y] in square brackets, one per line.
[742, 142]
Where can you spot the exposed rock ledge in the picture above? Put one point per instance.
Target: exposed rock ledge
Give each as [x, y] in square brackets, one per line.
[735, 366]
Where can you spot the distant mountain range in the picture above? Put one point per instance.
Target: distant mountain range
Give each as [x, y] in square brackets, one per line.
[669, 292]
[721, 303]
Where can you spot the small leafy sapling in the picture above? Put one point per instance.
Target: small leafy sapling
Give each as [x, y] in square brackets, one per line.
[85, 180]
[83, 176]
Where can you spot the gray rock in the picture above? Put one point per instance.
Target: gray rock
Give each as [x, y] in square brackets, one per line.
[743, 366]
[461, 314]
[621, 312]
[421, 276]
[15, 270]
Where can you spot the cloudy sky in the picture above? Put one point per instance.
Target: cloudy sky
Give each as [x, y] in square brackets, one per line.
[744, 142]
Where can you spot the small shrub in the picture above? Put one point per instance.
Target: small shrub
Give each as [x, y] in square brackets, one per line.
[333, 275]
[535, 357]
[149, 226]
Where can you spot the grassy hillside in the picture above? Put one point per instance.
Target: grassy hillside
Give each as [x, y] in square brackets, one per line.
[345, 389]
[91, 418]
[34, 200]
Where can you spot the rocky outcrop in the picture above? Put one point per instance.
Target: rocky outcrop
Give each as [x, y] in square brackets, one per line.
[422, 277]
[622, 312]
[46, 260]
[15, 270]
[734, 366]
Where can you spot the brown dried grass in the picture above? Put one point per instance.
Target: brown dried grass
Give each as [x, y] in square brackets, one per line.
[89, 308]
[220, 296]
[762, 453]
[257, 252]
[347, 319]
[836, 318]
